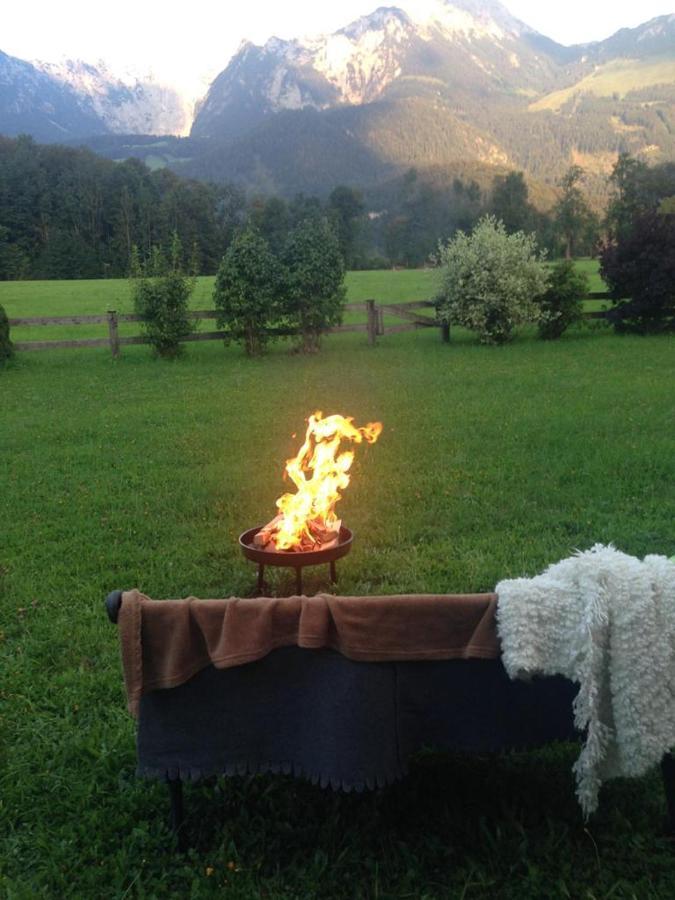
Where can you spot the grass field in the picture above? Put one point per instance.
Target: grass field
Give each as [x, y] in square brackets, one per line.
[494, 462]
[69, 298]
[616, 77]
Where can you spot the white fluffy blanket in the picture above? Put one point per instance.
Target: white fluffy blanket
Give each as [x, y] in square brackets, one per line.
[607, 621]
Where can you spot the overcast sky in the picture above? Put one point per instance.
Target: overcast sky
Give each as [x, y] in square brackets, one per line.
[189, 43]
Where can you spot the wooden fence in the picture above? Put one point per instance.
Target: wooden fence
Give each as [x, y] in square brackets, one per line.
[374, 326]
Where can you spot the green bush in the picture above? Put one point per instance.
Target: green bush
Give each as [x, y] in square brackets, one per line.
[248, 290]
[6, 349]
[491, 280]
[562, 303]
[161, 292]
[314, 300]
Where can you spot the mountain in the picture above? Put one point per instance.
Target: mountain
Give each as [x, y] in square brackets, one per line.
[74, 99]
[653, 38]
[128, 104]
[434, 85]
[454, 50]
[430, 86]
[33, 102]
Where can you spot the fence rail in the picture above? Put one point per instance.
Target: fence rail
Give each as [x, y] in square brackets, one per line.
[374, 326]
[113, 319]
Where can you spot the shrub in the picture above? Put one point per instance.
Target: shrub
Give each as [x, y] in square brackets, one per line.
[491, 280]
[248, 290]
[6, 349]
[161, 291]
[562, 303]
[639, 268]
[314, 300]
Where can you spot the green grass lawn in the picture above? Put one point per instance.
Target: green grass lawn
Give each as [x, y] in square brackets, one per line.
[494, 462]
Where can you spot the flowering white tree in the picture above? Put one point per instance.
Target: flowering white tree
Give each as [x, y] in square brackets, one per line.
[490, 280]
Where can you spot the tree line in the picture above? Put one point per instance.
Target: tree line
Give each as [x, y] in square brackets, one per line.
[68, 213]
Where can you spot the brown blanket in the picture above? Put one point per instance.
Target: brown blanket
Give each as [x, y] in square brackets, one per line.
[164, 643]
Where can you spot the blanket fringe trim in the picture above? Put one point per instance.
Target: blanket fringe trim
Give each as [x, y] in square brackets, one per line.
[185, 773]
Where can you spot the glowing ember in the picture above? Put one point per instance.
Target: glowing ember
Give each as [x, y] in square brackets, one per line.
[306, 519]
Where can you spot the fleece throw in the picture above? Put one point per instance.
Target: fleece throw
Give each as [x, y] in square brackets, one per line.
[607, 621]
[165, 643]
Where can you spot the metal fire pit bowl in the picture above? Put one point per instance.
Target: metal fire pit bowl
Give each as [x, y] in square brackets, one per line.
[291, 559]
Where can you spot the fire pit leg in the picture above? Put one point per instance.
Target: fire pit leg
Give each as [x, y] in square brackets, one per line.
[333, 572]
[261, 575]
[668, 774]
[298, 580]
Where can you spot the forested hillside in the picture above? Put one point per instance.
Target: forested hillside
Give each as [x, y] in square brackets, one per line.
[462, 83]
[67, 213]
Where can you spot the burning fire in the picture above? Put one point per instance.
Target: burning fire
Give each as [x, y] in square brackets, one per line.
[306, 519]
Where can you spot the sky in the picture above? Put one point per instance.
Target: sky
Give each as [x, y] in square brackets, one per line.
[187, 44]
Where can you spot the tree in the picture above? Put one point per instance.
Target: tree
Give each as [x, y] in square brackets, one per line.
[161, 290]
[638, 258]
[271, 219]
[637, 189]
[248, 291]
[315, 294]
[572, 214]
[345, 208]
[627, 200]
[491, 280]
[6, 349]
[304, 207]
[639, 268]
[510, 202]
[14, 261]
[562, 303]
[416, 212]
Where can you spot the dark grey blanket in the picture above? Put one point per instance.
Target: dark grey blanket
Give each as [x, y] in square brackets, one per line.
[351, 725]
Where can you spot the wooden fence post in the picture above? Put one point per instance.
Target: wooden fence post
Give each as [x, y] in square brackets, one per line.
[445, 332]
[113, 333]
[380, 320]
[372, 322]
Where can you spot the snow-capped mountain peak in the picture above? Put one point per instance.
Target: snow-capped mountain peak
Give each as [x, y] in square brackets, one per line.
[361, 59]
[477, 41]
[126, 102]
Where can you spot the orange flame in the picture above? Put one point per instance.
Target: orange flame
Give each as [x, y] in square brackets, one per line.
[319, 472]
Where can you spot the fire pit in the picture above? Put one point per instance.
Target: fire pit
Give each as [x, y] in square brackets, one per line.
[306, 531]
[296, 560]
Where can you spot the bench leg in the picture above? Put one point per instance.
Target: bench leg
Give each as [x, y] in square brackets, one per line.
[177, 815]
[668, 775]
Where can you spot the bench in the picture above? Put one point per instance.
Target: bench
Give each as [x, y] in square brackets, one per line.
[339, 723]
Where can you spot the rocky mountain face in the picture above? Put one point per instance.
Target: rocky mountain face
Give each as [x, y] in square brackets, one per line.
[453, 48]
[74, 99]
[131, 104]
[33, 102]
